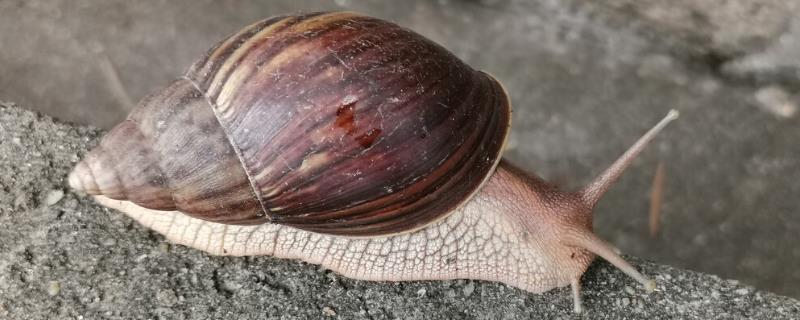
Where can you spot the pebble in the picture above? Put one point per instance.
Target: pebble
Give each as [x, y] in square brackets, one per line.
[53, 288]
[108, 242]
[742, 291]
[626, 302]
[469, 289]
[328, 311]
[629, 290]
[166, 298]
[53, 197]
[776, 100]
[231, 286]
[421, 292]
[450, 293]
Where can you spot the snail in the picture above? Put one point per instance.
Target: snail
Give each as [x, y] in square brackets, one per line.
[350, 142]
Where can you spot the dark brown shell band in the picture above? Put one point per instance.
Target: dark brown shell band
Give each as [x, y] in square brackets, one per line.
[352, 125]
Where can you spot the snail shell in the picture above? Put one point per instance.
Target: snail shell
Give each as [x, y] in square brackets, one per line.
[334, 123]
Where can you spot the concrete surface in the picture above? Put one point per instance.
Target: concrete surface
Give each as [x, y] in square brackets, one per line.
[64, 257]
[586, 78]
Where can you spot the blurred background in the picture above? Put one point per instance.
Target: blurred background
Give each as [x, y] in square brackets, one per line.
[586, 79]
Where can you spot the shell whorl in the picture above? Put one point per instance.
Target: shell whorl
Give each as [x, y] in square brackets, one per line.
[329, 122]
[171, 154]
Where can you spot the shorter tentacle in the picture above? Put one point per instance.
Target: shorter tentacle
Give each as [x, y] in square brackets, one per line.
[587, 240]
[576, 294]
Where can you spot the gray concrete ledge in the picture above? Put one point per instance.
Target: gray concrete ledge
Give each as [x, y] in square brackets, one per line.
[64, 257]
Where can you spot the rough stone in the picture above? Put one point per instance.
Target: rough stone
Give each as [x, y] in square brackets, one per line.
[132, 277]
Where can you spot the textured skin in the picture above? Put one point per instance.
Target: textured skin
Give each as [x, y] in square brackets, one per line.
[497, 236]
[339, 124]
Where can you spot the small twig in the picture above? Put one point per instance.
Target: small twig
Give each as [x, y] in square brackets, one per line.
[115, 84]
[656, 196]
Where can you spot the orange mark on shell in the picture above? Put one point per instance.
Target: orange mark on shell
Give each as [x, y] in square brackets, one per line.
[346, 120]
[368, 139]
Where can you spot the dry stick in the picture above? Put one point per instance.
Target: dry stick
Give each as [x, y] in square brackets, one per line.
[656, 196]
[114, 82]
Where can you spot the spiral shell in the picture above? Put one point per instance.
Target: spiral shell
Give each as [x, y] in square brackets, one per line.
[335, 123]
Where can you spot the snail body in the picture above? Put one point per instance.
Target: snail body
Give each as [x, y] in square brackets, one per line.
[350, 142]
